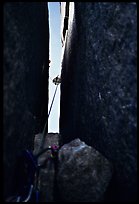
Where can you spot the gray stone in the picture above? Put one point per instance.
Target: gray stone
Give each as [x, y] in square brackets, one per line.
[83, 174]
[50, 139]
[26, 64]
[47, 173]
[99, 88]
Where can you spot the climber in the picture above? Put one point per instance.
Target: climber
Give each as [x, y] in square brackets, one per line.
[57, 80]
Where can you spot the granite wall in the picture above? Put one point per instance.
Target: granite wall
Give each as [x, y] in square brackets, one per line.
[26, 64]
[99, 88]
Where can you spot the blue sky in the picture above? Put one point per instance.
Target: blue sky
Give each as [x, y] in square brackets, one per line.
[55, 47]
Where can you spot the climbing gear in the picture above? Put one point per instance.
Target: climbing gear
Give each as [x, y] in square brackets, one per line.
[26, 187]
[44, 130]
[57, 80]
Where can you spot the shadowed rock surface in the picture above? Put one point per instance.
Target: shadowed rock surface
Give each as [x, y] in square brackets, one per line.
[26, 56]
[99, 88]
[47, 173]
[83, 174]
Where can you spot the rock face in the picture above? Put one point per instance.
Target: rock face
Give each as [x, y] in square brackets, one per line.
[99, 88]
[26, 64]
[83, 174]
[47, 173]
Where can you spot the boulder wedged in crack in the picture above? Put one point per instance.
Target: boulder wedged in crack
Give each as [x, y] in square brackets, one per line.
[83, 174]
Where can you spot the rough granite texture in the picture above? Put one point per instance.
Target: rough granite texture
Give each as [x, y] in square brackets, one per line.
[83, 173]
[26, 63]
[47, 173]
[99, 88]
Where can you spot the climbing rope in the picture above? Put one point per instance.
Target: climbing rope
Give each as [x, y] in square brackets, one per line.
[28, 168]
[27, 174]
[56, 81]
[44, 130]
